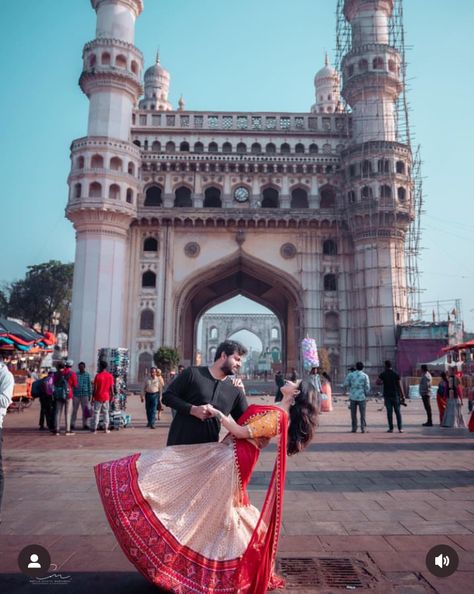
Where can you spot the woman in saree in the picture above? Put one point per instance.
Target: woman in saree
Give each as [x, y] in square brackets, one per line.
[182, 514]
[442, 395]
[453, 414]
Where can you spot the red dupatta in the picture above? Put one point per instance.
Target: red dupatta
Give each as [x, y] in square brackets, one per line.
[255, 575]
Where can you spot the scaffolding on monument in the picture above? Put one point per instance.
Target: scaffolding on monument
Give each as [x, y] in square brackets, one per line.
[403, 136]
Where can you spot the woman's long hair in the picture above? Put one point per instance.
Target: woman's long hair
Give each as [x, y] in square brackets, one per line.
[302, 419]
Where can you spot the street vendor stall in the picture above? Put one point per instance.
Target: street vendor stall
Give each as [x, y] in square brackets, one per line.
[26, 348]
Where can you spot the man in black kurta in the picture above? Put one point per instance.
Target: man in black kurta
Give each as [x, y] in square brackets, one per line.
[195, 387]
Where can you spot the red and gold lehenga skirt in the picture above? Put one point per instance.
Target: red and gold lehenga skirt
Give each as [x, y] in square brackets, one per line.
[183, 518]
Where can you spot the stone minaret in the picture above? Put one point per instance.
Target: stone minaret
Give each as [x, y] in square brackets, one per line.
[378, 185]
[103, 183]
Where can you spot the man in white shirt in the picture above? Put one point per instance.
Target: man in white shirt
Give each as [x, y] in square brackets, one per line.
[6, 394]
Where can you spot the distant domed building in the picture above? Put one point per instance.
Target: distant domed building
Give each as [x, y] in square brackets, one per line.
[177, 210]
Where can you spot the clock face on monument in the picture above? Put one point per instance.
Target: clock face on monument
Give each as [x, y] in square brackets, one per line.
[241, 194]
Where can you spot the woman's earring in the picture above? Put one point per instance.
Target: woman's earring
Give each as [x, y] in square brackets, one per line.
[292, 401]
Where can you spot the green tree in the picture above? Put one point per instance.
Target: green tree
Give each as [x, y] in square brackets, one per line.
[46, 288]
[3, 303]
[166, 359]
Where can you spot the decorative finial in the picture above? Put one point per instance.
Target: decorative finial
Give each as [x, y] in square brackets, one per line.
[181, 103]
[326, 60]
[158, 55]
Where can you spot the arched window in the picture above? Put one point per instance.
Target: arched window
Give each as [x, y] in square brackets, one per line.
[366, 193]
[134, 67]
[363, 65]
[149, 279]
[97, 162]
[270, 149]
[385, 191]
[330, 282]
[170, 147]
[95, 190]
[285, 149]
[366, 167]
[156, 146]
[383, 166]
[131, 168]
[351, 196]
[80, 162]
[241, 148]
[116, 164]
[121, 61]
[184, 147]
[313, 149]
[92, 60]
[330, 247]
[212, 148]
[77, 190]
[212, 198]
[299, 198]
[400, 167]
[227, 147]
[137, 143]
[129, 196]
[199, 147]
[402, 194]
[183, 198]
[213, 333]
[275, 334]
[377, 63]
[114, 192]
[328, 197]
[299, 148]
[270, 198]
[331, 321]
[256, 148]
[150, 245]
[147, 320]
[105, 59]
[153, 196]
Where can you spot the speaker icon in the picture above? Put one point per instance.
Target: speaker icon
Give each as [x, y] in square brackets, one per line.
[441, 561]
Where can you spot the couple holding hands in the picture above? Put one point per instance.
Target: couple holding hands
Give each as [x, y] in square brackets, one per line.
[182, 514]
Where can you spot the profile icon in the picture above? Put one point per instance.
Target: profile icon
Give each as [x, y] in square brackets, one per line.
[34, 561]
[33, 564]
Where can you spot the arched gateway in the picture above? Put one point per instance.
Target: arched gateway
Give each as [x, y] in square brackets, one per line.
[176, 210]
[240, 274]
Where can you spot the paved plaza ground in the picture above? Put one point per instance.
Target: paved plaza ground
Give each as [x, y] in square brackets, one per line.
[376, 502]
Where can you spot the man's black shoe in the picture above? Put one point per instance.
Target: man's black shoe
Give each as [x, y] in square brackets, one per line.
[427, 425]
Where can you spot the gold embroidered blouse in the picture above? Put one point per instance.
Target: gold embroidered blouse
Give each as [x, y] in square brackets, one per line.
[264, 426]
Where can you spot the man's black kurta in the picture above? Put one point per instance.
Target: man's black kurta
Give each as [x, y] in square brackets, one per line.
[196, 386]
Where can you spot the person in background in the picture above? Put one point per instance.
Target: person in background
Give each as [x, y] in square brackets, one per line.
[153, 391]
[315, 380]
[7, 383]
[358, 384]
[393, 395]
[424, 390]
[326, 392]
[64, 382]
[453, 416]
[82, 395]
[47, 402]
[442, 395]
[103, 393]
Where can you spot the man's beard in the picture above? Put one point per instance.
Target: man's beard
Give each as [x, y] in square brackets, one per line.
[227, 369]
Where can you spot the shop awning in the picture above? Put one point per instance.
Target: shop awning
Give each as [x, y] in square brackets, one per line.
[16, 336]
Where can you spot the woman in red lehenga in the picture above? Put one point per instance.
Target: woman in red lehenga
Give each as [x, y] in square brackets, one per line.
[182, 514]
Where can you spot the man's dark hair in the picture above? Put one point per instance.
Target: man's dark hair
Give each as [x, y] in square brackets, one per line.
[60, 365]
[102, 365]
[229, 347]
[424, 368]
[359, 366]
[388, 364]
[82, 363]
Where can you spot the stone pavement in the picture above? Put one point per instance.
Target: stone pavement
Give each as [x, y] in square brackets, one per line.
[379, 500]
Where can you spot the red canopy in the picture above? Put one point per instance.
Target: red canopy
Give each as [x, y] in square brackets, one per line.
[458, 347]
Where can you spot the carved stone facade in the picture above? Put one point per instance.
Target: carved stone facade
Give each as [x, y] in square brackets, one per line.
[305, 213]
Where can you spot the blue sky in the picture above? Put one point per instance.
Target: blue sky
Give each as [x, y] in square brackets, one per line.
[246, 55]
